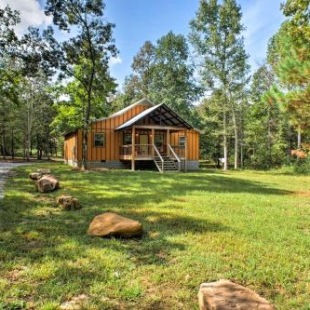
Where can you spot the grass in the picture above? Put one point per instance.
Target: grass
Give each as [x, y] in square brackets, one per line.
[250, 227]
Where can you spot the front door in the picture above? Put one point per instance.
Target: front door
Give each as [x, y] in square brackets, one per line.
[160, 141]
[143, 147]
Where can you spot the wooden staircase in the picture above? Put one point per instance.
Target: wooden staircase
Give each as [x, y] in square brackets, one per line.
[166, 164]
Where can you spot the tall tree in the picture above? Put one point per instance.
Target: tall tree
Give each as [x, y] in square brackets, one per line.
[288, 54]
[85, 56]
[216, 36]
[266, 125]
[9, 74]
[172, 76]
[142, 67]
[162, 72]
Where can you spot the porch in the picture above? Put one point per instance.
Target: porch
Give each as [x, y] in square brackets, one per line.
[157, 134]
[160, 145]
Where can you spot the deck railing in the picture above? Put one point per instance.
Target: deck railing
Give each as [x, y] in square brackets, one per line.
[161, 160]
[141, 150]
[175, 156]
[148, 151]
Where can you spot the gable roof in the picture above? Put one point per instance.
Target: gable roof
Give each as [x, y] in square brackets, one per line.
[143, 101]
[160, 114]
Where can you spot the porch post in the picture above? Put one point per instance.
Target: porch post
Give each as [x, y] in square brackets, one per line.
[153, 142]
[133, 147]
[168, 142]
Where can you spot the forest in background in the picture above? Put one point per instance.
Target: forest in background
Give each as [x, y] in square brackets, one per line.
[260, 120]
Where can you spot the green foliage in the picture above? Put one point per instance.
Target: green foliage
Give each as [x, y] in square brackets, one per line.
[288, 54]
[302, 166]
[172, 81]
[142, 66]
[216, 37]
[163, 74]
[8, 19]
[265, 124]
[86, 55]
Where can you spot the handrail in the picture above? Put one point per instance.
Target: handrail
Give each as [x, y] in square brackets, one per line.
[160, 157]
[175, 156]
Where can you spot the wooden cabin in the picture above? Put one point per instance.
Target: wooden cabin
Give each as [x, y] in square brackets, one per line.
[140, 134]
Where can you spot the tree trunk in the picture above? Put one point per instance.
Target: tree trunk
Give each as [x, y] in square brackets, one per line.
[298, 137]
[28, 130]
[269, 140]
[236, 133]
[12, 144]
[3, 143]
[225, 147]
[84, 150]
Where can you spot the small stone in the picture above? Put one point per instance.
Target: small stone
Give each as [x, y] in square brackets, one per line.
[76, 303]
[224, 295]
[68, 202]
[35, 175]
[111, 224]
[44, 171]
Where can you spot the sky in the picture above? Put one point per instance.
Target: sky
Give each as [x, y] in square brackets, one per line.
[137, 21]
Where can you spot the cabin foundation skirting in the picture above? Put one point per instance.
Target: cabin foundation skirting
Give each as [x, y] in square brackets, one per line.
[72, 163]
[191, 165]
[111, 164]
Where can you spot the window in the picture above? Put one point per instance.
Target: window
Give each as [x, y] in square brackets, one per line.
[127, 138]
[182, 141]
[99, 139]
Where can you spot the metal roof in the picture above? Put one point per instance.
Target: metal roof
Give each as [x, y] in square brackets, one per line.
[160, 114]
[143, 101]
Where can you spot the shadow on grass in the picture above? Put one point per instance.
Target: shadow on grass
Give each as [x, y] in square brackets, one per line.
[37, 230]
[34, 232]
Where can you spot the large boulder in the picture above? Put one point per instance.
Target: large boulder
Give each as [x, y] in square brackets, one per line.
[68, 202]
[47, 183]
[111, 224]
[223, 295]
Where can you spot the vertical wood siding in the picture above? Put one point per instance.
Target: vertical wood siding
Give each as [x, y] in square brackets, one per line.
[114, 139]
[70, 147]
[192, 142]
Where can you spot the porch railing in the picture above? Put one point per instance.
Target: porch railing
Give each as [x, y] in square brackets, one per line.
[160, 161]
[149, 150]
[172, 152]
[141, 150]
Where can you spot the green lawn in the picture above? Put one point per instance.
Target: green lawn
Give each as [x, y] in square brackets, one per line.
[250, 227]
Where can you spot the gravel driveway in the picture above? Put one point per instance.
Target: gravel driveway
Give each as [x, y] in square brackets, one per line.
[4, 170]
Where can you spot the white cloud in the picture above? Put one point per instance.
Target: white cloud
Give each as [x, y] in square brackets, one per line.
[31, 13]
[115, 61]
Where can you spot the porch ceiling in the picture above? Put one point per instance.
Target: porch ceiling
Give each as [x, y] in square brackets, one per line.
[162, 115]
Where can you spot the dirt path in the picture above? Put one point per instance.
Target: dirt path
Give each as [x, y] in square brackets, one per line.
[4, 170]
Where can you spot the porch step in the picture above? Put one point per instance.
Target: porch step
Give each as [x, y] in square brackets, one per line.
[169, 164]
